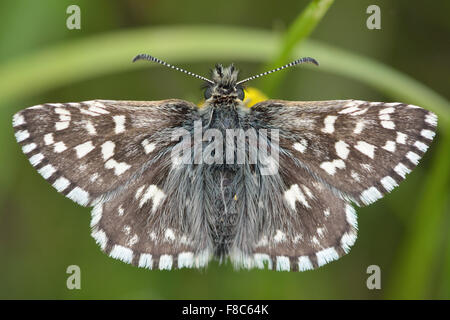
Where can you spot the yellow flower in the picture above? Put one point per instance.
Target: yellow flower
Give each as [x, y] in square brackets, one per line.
[253, 96]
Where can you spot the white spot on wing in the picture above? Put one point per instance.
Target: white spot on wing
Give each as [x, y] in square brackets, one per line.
[61, 184]
[331, 166]
[279, 236]
[402, 170]
[133, 240]
[388, 183]
[427, 134]
[59, 147]
[185, 260]
[22, 135]
[304, 263]
[355, 176]
[119, 167]
[366, 148]
[154, 193]
[36, 159]
[48, 139]
[148, 147]
[351, 107]
[18, 120]
[388, 124]
[29, 147]
[169, 234]
[139, 191]
[261, 260]
[431, 119]
[342, 149]
[329, 124]
[108, 149]
[350, 215]
[390, 146]
[421, 146]
[122, 253]
[326, 255]
[96, 214]
[79, 195]
[100, 238]
[359, 127]
[320, 232]
[62, 111]
[401, 137]
[370, 195]
[347, 241]
[145, 261]
[165, 262]
[293, 195]
[47, 171]
[307, 191]
[61, 125]
[301, 146]
[119, 124]
[94, 177]
[283, 263]
[413, 157]
[84, 148]
[90, 128]
[96, 107]
[387, 110]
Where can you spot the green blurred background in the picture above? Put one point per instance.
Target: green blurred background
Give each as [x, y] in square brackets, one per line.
[41, 232]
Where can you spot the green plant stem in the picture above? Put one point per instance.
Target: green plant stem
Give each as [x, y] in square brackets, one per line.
[419, 253]
[298, 31]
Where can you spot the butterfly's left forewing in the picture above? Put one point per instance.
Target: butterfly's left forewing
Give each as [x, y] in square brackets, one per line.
[91, 149]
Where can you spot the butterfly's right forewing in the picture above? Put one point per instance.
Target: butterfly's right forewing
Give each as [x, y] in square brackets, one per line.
[361, 150]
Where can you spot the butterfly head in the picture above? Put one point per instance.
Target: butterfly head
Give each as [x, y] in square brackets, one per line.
[224, 84]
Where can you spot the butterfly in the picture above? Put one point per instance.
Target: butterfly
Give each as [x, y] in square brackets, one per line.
[171, 188]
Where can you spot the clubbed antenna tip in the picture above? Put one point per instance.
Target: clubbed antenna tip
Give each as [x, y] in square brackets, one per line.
[291, 64]
[144, 56]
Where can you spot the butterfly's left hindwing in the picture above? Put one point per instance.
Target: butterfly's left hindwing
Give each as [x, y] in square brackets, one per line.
[139, 227]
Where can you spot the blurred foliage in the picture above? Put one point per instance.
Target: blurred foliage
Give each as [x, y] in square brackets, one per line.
[41, 232]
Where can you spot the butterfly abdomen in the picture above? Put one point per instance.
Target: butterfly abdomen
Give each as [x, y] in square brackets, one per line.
[224, 218]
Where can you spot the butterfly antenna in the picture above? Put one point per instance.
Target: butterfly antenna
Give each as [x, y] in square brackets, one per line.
[153, 59]
[293, 63]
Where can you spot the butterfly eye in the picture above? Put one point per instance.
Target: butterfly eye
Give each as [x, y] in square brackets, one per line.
[240, 93]
[208, 92]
